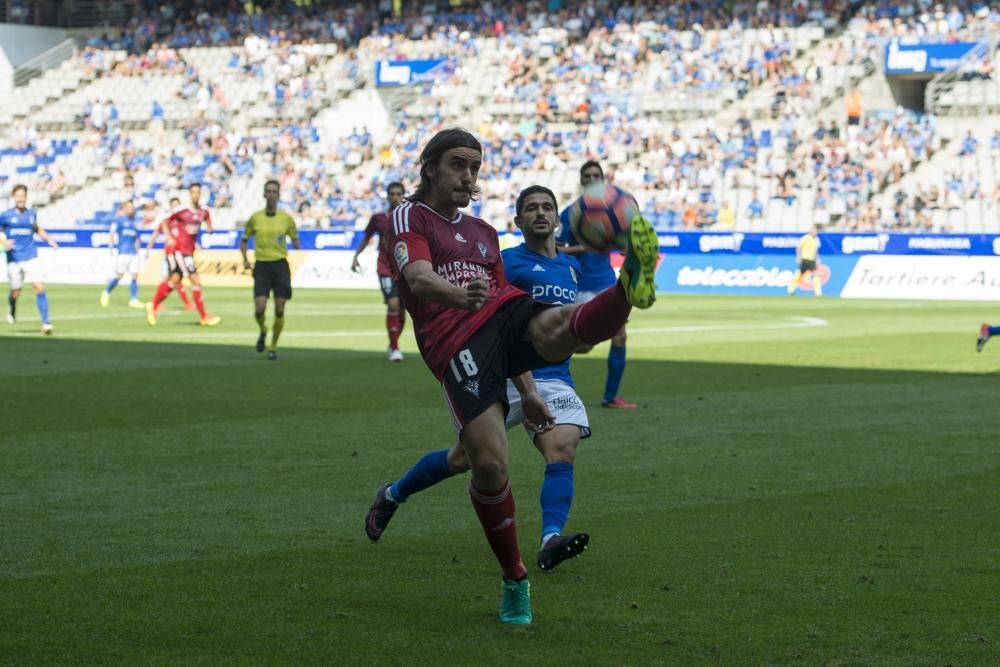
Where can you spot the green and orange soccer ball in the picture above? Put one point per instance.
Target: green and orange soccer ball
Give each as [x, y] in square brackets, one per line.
[600, 217]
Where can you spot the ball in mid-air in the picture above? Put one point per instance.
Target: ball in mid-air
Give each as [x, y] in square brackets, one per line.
[600, 218]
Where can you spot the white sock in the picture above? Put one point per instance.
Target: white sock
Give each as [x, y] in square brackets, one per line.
[388, 495]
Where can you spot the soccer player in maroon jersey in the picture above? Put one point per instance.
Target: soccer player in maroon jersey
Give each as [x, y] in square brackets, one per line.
[149, 220]
[395, 316]
[181, 228]
[475, 330]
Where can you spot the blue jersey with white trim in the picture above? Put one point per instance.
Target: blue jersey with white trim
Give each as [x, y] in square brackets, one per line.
[20, 226]
[547, 280]
[596, 273]
[127, 230]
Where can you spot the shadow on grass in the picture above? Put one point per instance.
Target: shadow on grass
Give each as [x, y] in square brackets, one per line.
[188, 503]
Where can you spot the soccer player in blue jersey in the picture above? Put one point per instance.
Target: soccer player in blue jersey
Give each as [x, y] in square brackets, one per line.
[596, 275]
[20, 225]
[549, 276]
[985, 333]
[124, 243]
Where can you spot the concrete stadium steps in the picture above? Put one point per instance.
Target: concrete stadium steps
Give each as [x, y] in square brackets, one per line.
[51, 86]
[834, 84]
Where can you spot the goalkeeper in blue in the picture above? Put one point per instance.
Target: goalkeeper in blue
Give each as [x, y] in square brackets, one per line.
[549, 276]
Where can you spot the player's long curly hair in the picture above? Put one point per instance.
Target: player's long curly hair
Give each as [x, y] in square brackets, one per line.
[439, 144]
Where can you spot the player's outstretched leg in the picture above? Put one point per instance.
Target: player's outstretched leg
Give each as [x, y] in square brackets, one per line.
[379, 514]
[431, 469]
[11, 309]
[556, 333]
[638, 274]
[559, 548]
[985, 333]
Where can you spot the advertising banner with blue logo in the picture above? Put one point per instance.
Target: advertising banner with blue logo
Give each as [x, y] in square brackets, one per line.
[735, 243]
[872, 266]
[752, 275]
[924, 57]
[389, 73]
[311, 239]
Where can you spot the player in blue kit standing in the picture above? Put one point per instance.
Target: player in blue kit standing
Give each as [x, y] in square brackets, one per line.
[124, 242]
[597, 275]
[549, 276]
[20, 225]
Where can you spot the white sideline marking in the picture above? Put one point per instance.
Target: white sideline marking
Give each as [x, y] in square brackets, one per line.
[140, 315]
[790, 322]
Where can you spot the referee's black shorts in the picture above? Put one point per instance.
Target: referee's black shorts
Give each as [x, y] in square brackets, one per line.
[272, 276]
[807, 265]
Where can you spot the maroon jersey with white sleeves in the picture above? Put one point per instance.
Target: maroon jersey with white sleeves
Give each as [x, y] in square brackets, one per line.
[458, 250]
[380, 224]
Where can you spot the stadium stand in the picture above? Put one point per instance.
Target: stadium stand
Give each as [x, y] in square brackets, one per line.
[716, 115]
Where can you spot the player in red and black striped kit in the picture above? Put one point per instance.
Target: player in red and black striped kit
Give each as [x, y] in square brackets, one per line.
[395, 316]
[181, 228]
[475, 331]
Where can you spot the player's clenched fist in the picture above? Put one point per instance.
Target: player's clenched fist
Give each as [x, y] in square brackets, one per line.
[476, 292]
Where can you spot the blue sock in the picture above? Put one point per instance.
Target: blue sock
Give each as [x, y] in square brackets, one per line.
[12, 305]
[111, 285]
[556, 497]
[427, 472]
[43, 306]
[995, 331]
[616, 368]
[133, 290]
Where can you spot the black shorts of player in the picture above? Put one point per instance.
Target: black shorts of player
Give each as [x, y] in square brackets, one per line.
[807, 265]
[388, 287]
[182, 265]
[272, 276]
[476, 377]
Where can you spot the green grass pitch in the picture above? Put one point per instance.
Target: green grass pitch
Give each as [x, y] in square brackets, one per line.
[806, 482]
